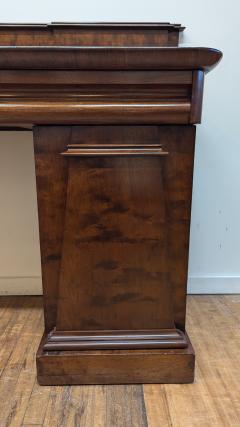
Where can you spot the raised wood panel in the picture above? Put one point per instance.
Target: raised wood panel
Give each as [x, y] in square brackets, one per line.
[51, 166]
[115, 231]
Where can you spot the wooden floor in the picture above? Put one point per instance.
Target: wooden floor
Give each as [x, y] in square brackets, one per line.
[213, 400]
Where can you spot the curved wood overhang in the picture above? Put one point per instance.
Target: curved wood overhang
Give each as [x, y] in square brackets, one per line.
[109, 58]
[42, 85]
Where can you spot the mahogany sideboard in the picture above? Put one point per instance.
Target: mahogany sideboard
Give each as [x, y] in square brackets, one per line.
[113, 109]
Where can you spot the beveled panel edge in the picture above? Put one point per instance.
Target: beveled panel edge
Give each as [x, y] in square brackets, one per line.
[113, 150]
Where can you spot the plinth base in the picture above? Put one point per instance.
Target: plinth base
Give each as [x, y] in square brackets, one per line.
[115, 366]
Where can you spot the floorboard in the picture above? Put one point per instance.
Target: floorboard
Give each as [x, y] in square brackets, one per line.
[213, 399]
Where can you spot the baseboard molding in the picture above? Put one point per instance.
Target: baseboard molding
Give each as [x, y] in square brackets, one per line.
[32, 285]
[214, 285]
[29, 285]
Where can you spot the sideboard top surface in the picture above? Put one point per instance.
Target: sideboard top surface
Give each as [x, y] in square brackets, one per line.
[107, 58]
[100, 73]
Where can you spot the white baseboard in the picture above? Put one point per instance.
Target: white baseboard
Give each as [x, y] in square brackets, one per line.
[214, 285]
[32, 285]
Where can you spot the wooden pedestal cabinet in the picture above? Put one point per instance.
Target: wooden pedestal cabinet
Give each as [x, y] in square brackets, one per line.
[112, 108]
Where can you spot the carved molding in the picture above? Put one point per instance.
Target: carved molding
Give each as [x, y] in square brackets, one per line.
[97, 340]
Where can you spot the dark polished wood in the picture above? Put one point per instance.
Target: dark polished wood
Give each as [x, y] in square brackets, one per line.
[108, 58]
[47, 112]
[72, 95]
[52, 182]
[113, 109]
[88, 150]
[90, 34]
[116, 339]
[169, 365]
[197, 96]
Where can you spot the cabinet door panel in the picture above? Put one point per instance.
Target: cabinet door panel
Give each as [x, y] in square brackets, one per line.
[114, 271]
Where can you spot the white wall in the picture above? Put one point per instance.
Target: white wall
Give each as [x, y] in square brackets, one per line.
[19, 245]
[215, 236]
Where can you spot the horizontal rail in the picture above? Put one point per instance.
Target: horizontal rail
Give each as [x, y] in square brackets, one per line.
[47, 111]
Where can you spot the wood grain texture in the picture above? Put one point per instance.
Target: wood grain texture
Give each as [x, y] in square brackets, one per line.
[197, 97]
[114, 201]
[46, 85]
[95, 97]
[87, 34]
[52, 185]
[211, 401]
[116, 252]
[133, 366]
[78, 77]
[93, 340]
[89, 112]
[120, 253]
[51, 207]
[108, 58]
